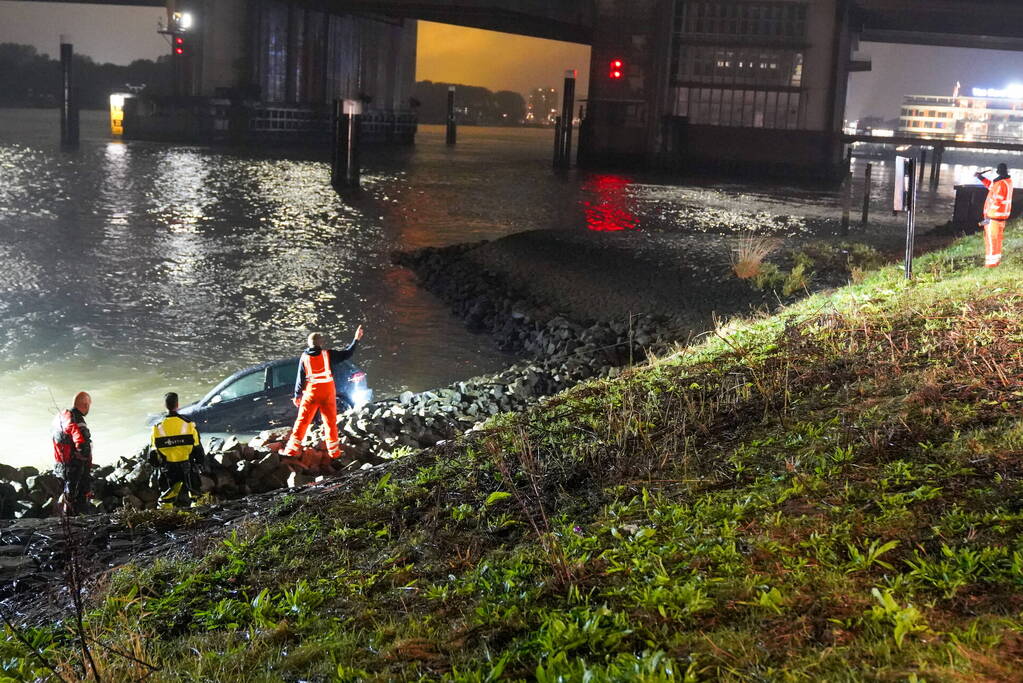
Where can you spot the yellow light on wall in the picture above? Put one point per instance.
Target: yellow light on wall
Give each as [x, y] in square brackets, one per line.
[117, 113]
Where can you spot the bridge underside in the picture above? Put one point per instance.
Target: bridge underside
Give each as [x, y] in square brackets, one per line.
[569, 21]
[127, 3]
[995, 25]
[566, 20]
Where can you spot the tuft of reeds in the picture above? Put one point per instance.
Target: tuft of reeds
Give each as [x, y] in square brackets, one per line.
[748, 255]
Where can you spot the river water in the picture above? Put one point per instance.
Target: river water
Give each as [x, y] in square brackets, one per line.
[132, 269]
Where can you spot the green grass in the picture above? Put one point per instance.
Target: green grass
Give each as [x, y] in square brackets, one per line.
[830, 493]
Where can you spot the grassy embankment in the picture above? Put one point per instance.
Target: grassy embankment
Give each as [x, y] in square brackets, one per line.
[831, 493]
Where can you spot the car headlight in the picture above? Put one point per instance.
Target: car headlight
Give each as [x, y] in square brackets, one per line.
[360, 397]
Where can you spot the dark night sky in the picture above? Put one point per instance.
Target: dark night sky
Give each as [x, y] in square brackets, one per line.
[500, 61]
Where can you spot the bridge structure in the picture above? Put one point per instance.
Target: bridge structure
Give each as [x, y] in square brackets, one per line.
[734, 84]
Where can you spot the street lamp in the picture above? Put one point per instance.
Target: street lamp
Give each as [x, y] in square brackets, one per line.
[181, 21]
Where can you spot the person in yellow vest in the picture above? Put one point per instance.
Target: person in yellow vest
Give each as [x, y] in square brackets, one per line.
[997, 210]
[177, 447]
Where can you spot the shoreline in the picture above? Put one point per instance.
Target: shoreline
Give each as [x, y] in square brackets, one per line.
[572, 306]
[492, 287]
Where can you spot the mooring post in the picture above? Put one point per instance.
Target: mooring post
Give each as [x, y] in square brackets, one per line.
[923, 165]
[939, 154]
[452, 125]
[847, 191]
[563, 136]
[68, 102]
[557, 142]
[346, 171]
[866, 195]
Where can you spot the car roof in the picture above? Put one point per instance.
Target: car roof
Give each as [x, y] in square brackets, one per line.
[257, 367]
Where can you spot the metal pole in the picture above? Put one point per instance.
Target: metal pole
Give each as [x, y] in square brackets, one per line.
[846, 201]
[939, 154]
[911, 216]
[68, 103]
[567, 108]
[336, 172]
[353, 178]
[346, 171]
[452, 125]
[866, 195]
[923, 165]
[557, 142]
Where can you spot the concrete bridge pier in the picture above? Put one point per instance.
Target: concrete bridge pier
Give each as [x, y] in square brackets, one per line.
[734, 87]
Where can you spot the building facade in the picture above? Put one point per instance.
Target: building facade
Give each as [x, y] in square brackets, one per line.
[985, 115]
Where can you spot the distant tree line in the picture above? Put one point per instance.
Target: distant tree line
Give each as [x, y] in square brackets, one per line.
[473, 105]
[30, 79]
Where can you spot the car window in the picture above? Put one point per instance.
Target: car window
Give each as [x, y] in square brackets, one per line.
[243, 386]
[283, 375]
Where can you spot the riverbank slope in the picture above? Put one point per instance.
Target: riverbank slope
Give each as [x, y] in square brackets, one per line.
[831, 492]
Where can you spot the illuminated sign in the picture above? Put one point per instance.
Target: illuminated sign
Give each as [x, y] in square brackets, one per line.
[1012, 92]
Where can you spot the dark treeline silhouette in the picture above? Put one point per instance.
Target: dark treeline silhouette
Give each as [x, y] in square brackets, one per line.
[474, 105]
[30, 79]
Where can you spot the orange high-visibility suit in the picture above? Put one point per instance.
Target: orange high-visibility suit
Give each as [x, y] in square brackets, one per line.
[997, 210]
[317, 394]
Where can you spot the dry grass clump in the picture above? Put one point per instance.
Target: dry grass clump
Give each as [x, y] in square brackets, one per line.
[748, 255]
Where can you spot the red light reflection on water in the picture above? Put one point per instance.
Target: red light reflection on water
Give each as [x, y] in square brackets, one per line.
[606, 204]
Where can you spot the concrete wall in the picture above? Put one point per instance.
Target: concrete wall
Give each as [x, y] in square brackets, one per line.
[223, 59]
[354, 56]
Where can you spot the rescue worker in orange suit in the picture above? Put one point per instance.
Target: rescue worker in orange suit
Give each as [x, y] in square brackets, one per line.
[997, 209]
[178, 453]
[315, 391]
[72, 451]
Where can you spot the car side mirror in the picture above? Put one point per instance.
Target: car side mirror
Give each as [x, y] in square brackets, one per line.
[216, 399]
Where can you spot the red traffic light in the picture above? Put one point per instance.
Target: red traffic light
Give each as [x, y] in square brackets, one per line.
[617, 69]
[179, 45]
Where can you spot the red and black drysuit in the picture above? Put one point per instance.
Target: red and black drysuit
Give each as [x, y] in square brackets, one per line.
[72, 451]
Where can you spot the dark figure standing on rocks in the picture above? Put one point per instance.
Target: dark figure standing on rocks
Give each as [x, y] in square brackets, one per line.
[315, 391]
[72, 451]
[177, 451]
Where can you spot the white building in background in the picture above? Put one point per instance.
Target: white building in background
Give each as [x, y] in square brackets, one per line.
[986, 115]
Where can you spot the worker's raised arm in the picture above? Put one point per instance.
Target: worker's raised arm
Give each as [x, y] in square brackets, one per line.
[338, 355]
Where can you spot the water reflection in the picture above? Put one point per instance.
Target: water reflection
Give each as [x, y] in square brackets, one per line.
[610, 209]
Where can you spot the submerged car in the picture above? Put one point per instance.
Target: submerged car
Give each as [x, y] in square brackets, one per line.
[260, 397]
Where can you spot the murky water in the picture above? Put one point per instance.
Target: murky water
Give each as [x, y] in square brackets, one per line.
[131, 269]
